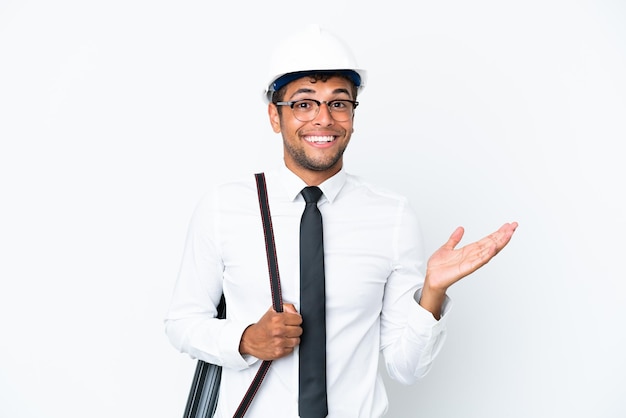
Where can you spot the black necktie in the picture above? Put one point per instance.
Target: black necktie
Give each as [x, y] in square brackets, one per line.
[312, 399]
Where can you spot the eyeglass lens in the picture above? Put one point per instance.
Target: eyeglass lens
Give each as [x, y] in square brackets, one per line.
[307, 110]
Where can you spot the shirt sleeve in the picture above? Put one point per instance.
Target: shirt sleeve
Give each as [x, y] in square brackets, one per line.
[191, 324]
[411, 338]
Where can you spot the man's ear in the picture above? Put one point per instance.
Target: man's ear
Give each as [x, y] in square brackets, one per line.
[272, 111]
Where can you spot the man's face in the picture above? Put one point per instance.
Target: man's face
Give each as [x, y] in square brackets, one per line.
[313, 150]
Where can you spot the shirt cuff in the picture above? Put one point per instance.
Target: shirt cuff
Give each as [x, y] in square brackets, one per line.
[425, 317]
[229, 347]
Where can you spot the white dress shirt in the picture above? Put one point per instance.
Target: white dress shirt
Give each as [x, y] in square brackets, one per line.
[374, 266]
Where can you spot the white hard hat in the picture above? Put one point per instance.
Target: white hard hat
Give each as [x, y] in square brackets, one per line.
[311, 50]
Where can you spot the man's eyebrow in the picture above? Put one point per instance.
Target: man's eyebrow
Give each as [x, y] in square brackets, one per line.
[302, 90]
[309, 90]
[337, 91]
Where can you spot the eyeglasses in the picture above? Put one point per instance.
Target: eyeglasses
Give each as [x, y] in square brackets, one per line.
[308, 109]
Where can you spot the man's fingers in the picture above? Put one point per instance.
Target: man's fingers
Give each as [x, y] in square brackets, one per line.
[493, 243]
[503, 235]
[288, 307]
[455, 238]
[290, 315]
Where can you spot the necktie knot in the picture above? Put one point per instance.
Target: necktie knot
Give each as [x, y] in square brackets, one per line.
[311, 194]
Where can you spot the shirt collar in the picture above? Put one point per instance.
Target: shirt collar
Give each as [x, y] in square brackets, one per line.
[294, 184]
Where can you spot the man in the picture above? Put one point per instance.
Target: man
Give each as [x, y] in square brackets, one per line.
[377, 296]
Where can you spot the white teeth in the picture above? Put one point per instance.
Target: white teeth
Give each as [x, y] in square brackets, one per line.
[319, 139]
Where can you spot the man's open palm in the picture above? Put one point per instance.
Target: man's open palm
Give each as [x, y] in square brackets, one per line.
[448, 264]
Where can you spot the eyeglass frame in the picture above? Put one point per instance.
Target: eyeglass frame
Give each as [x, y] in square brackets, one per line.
[319, 106]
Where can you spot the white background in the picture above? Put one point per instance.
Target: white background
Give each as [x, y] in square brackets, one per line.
[116, 116]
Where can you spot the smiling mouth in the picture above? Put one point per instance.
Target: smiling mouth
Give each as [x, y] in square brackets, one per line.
[319, 139]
